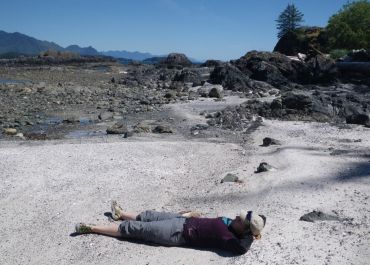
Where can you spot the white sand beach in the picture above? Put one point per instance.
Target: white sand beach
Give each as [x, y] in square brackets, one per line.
[46, 187]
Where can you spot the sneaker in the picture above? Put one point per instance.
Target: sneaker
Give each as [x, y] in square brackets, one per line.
[116, 211]
[83, 228]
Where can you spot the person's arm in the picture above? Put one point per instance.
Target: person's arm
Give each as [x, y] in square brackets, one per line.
[234, 245]
[237, 246]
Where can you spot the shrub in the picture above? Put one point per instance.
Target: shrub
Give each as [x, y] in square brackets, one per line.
[338, 53]
[350, 27]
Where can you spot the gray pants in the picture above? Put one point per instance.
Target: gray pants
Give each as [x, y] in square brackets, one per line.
[156, 227]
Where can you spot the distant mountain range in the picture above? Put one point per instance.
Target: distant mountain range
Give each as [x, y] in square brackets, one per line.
[12, 44]
[23, 44]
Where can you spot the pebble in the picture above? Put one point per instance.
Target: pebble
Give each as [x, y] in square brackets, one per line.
[10, 131]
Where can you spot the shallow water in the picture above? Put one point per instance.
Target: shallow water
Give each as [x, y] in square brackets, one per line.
[12, 81]
[85, 133]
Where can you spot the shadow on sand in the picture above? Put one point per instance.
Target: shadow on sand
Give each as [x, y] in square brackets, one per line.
[247, 242]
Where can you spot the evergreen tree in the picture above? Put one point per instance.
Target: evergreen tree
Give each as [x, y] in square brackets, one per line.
[290, 19]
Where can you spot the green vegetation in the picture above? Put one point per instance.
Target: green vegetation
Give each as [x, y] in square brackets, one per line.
[350, 27]
[338, 53]
[289, 20]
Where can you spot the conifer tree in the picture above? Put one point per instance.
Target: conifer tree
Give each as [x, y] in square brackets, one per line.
[290, 19]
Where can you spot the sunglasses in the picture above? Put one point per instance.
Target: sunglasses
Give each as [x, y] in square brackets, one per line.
[249, 217]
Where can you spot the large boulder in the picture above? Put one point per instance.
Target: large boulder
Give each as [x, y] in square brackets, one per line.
[216, 92]
[297, 100]
[274, 68]
[323, 68]
[189, 76]
[176, 60]
[211, 63]
[208, 90]
[360, 118]
[361, 55]
[117, 128]
[230, 77]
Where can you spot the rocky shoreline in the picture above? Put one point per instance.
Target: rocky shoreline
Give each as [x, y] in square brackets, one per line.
[46, 101]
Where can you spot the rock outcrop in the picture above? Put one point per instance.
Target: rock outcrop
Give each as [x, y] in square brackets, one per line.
[304, 40]
[176, 60]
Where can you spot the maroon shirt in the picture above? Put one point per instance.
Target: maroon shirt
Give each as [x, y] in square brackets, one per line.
[211, 232]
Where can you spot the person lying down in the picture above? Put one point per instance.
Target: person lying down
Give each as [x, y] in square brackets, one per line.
[186, 229]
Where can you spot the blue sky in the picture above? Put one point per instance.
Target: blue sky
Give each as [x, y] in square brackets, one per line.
[202, 29]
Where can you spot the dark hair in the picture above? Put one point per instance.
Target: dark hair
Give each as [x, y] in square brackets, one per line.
[264, 219]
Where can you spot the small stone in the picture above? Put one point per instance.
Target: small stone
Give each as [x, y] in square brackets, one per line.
[106, 115]
[267, 141]
[10, 131]
[20, 135]
[264, 167]
[319, 216]
[215, 92]
[128, 134]
[230, 178]
[71, 119]
[162, 129]
[142, 127]
[117, 128]
[170, 94]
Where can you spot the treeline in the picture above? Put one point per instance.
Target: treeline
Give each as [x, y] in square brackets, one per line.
[348, 29]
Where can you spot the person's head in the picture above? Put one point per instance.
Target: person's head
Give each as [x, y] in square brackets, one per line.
[248, 222]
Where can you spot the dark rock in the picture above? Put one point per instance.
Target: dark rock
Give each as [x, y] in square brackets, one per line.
[323, 68]
[189, 76]
[145, 101]
[106, 115]
[230, 77]
[339, 152]
[319, 216]
[142, 127]
[264, 167]
[193, 95]
[200, 127]
[211, 63]
[303, 40]
[267, 141]
[215, 92]
[297, 100]
[274, 68]
[177, 86]
[230, 178]
[261, 86]
[128, 134]
[205, 90]
[36, 136]
[117, 128]
[176, 60]
[71, 120]
[361, 55]
[359, 118]
[331, 106]
[264, 66]
[170, 94]
[162, 129]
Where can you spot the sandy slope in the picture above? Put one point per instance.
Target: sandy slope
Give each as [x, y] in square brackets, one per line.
[47, 187]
